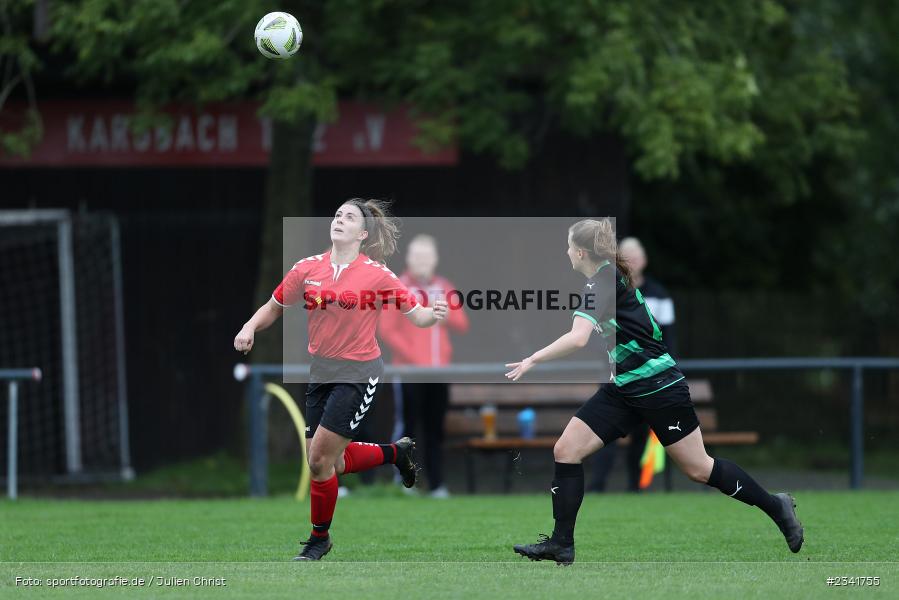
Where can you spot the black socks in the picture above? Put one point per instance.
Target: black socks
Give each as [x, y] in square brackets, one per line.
[736, 483]
[568, 492]
[389, 451]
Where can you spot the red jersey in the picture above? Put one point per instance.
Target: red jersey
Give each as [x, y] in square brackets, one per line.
[344, 303]
[413, 345]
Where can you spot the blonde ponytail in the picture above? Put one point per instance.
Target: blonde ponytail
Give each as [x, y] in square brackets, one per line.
[597, 238]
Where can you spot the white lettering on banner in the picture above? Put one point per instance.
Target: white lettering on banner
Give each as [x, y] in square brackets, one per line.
[184, 138]
[119, 133]
[373, 137]
[227, 133]
[204, 142]
[163, 135]
[75, 134]
[94, 134]
[375, 126]
[113, 134]
[98, 135]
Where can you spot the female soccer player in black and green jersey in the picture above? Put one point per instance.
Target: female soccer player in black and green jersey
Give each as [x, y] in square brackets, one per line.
[647, 386]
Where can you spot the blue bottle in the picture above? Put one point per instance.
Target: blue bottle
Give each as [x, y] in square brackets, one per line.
[527, 423]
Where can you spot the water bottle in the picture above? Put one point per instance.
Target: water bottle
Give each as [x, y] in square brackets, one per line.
[527, 423]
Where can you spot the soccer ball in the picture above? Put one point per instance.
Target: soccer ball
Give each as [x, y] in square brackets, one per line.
[278, 35]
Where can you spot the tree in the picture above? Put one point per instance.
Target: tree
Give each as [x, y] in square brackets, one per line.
[18, 63]
[740, 123]
[862, 246]
[679, 81]
[698, 92]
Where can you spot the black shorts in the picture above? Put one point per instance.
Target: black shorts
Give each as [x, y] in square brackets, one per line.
[609, 414]
[341, 394]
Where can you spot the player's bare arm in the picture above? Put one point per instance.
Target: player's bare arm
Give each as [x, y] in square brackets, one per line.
[428, 316]
[267, 314]
[567, 343]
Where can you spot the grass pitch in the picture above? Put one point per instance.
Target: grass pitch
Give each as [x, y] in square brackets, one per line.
[676, 545]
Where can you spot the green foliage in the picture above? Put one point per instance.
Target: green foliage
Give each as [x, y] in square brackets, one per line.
[727, 80]
[863, 242]
[817, 207]
[18, 64]
[189, 52]
[21, 141]
[293, 101]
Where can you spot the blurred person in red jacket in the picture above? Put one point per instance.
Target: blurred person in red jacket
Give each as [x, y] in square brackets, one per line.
[423, 404]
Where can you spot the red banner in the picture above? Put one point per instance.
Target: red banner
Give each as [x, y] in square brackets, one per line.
[99, 134]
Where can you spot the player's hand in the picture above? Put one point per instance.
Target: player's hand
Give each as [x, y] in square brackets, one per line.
[440, 308]
[519, 368]
[244, 340]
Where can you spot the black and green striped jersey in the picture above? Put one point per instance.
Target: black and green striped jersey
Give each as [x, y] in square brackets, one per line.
[641, 363]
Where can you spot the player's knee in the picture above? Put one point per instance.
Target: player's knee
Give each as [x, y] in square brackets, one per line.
[696, 474]
[699, 472]
[565, 452]
[319, 465]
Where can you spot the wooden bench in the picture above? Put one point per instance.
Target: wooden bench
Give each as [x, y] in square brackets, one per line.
[555, 404]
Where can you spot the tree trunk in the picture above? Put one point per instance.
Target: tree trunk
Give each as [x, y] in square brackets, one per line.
[288, 193]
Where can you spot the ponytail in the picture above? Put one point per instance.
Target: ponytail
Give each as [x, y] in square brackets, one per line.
[597, 238]
[383, 229]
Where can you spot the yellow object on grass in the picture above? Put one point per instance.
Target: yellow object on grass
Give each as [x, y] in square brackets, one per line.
[653, 460]
[297, 417]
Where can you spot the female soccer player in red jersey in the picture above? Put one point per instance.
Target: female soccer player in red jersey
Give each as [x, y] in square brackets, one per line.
[344, 290]
[647, 387]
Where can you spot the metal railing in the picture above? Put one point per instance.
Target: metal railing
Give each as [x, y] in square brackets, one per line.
[14, 376]
[258, 410]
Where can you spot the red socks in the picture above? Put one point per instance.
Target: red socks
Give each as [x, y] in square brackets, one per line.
[323, 499]
[360, 456]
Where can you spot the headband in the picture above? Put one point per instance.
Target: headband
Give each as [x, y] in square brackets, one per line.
[366, 214]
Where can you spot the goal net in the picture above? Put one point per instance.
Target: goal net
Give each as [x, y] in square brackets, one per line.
[61, 310]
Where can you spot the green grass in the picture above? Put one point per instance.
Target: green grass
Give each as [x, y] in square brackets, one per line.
[692, 544]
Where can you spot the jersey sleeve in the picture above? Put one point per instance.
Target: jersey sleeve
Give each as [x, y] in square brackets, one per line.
[598, 302]
[395, 295]
[290, 290]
